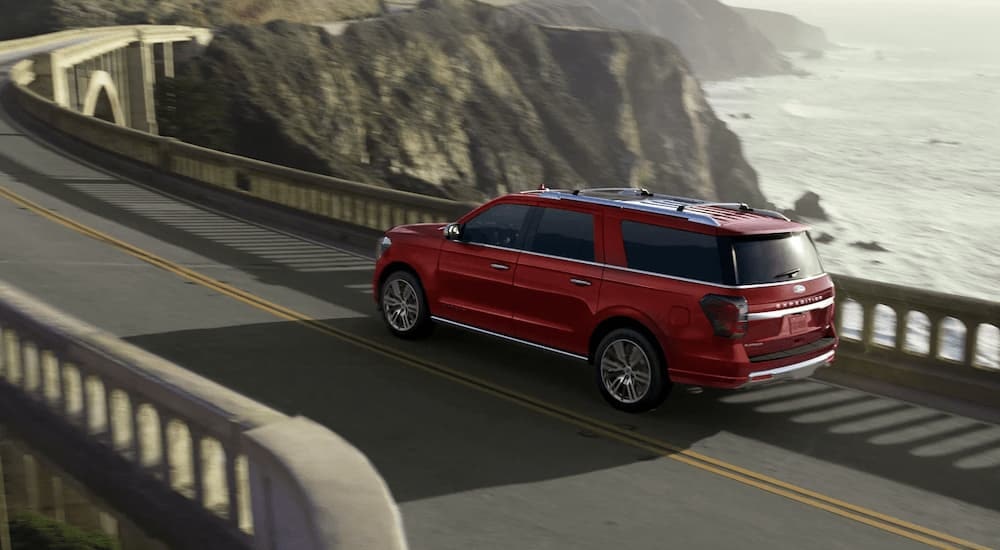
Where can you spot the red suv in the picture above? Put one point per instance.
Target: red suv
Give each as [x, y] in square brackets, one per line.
[653, 290]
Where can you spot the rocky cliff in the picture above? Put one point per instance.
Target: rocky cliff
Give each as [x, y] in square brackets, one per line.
[30, 17]
[717, 41]
[463, 101]
[786, 32]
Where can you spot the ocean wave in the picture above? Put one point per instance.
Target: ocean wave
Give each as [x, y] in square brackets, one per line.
[798, 109]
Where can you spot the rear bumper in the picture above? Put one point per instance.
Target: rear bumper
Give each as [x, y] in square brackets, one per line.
[713, 373]
[802, 369]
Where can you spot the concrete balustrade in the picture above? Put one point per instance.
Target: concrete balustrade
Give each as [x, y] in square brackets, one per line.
[255, 469]
[901, 335]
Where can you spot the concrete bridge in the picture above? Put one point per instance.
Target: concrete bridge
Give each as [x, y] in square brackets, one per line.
[109, 73]
[252, 277]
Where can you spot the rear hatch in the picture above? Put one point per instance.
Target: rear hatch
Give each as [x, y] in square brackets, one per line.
[789, 298]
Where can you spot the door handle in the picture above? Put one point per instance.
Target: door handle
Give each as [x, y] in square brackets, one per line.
[501, 267]
[580, 282]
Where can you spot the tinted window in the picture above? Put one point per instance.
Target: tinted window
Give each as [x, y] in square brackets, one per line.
[775, 258]
[564, 233]
[672, 252]
[500, 225]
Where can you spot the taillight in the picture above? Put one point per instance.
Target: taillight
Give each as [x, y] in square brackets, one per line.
[728, 314]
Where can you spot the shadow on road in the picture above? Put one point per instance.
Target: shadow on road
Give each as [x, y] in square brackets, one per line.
[430, 436]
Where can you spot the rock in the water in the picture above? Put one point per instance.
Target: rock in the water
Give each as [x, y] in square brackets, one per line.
[936, 141]
[808, 206]
[464, 101]
[824, 238]
[871, 245]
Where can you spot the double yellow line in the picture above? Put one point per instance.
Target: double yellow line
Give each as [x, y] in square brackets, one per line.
[860, 514]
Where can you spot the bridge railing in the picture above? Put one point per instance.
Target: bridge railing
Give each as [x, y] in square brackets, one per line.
[275, 482]
[378, 208]
[932, 341]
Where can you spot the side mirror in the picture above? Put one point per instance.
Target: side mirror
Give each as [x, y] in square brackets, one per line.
[453, 231]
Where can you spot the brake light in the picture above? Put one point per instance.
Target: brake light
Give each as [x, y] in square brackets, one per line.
[728, 314]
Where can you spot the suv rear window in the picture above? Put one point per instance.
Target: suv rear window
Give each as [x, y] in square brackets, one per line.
[775, 258]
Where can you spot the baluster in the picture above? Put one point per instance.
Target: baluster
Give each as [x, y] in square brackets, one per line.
[3, 353]
[935, 335]
[165, 449]
[108, 413]
[62, 402]
[15, 365]
[902, 324]
[197, 464]
[132, 421]
[971, 340]
[232, 489]
[85, 404]
[867, 323]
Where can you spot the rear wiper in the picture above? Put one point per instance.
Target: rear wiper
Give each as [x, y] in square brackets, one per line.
[790, 273]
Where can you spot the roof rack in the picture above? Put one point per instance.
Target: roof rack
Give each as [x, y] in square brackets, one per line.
[741, 206]
[658, 203]
[570, 195]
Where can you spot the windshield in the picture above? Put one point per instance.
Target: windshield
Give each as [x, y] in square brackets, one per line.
[775, 258]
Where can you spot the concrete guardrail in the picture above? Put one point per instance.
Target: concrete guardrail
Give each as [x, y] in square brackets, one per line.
[276, 482]
[929, 341]
[377, 208]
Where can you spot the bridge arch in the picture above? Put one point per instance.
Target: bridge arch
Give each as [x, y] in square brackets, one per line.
[102, 99]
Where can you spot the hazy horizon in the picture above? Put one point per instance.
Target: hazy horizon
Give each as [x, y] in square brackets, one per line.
[962, 26]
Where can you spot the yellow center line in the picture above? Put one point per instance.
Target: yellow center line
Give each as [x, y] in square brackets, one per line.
[766, 483]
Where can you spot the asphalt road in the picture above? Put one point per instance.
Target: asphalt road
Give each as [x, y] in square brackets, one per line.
[484, 444]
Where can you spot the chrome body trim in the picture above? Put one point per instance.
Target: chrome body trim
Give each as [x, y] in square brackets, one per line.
[822, 304]
[802, 369]
[508, 338]
[717, 285]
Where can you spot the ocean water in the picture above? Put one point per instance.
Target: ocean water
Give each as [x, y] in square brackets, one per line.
[898, 132]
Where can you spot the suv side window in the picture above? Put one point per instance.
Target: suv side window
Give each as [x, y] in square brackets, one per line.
[672, 252]
[564, 233]
[501, 225]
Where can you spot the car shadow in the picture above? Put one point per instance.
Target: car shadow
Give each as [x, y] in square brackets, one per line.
[431, 436]
[427, 435]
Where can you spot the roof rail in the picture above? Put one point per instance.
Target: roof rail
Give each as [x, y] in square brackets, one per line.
[642, 191]
[656, 203]
[697, 217]
[741, 206]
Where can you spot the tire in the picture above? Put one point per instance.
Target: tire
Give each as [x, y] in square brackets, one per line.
[413, 321]
[624, 359]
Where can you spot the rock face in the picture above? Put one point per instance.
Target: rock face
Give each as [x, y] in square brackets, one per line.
[464, 101]
[30, 17]
[717, 40]
[787, 32]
